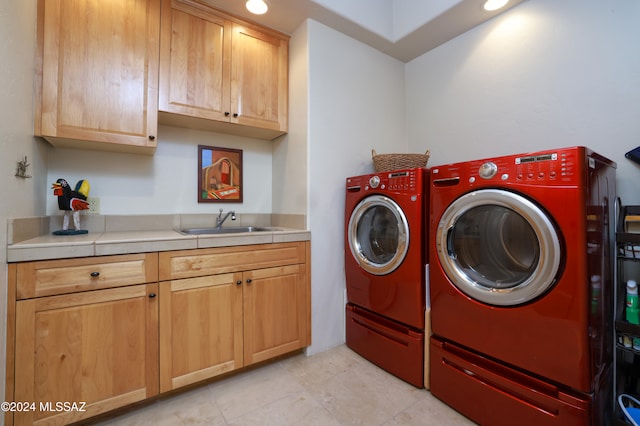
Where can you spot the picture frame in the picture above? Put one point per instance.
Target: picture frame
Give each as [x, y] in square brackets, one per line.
[219, 175]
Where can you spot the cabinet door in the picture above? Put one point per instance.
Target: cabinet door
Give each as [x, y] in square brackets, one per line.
[201, 328]
[259, 79]
[97, 347]
[99, 72]
[194, 68]
[275, 312]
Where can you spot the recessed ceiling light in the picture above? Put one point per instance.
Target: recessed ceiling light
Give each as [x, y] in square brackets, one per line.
[257, 7]
[490, 5]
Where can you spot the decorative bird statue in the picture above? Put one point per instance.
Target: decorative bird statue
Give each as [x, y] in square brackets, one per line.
[71, 201]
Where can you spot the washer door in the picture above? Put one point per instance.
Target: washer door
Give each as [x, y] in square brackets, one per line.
[378, 234]
[498, 247]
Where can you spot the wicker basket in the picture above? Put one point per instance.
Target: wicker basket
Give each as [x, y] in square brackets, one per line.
[388, 162]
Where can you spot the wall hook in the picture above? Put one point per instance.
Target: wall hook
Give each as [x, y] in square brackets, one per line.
[21, 170]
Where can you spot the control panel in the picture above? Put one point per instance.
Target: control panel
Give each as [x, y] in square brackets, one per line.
[398, 181]
[548, 168]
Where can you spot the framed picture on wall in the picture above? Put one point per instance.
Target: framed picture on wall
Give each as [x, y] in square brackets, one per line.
[219, 174]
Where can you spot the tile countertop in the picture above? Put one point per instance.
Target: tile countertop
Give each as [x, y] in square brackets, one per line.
[110, 242]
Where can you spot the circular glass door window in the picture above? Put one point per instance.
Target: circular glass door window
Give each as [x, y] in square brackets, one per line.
[498, 247]
[378, 234]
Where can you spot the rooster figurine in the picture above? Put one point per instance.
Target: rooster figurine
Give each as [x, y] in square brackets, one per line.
[71, 201]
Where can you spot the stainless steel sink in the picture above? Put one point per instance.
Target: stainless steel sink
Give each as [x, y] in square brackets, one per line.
[227, 230]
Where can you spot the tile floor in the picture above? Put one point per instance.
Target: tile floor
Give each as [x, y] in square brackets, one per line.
[336, 387]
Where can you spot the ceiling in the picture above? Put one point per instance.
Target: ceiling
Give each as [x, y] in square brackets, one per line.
[403, 29]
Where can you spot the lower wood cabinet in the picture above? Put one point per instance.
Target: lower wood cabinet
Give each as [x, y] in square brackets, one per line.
[97, 349]
[201, 323]
[139, 325]
[216, 323]
[274, 312]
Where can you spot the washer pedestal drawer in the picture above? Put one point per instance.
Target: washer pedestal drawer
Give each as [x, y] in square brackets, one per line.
[490, 393]
[388, 344]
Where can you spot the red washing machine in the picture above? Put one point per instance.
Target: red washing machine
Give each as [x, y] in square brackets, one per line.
[521, 278]
[385, 257]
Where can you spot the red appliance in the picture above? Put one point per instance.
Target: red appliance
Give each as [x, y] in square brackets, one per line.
[385, 257]
[521, 278]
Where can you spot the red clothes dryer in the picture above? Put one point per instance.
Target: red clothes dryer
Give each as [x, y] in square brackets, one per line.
[521, 281]
[385, 257]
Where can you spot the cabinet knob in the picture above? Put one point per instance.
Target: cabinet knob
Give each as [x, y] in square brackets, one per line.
[151, 137]
[235, 114]
[152, 295]
[226, 113]
[95, 274]
[248, 280]
[239, 282]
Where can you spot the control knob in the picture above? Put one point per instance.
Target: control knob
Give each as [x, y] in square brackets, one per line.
[488, 170]
[374, 181]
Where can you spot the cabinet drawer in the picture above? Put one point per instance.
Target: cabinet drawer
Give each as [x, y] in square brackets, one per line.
[201, 262]
[46, 278]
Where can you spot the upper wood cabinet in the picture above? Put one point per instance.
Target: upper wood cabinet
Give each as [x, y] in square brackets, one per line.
[97, 74]
[220, 73]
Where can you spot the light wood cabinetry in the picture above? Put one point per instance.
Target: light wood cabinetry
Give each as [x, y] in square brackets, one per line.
[259, 65]
[275, 312]
[222, 309]
[50, 277]
[220, 73]
[102, 332]
[195, 68]
[201, 323]
[94, 347]
[106, 72]
[97, 74]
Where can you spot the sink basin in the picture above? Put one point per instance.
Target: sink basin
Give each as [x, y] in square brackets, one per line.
[229, 230]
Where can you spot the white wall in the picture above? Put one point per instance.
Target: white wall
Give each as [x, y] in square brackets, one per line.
[290, 152]
[356, 103]
[166, 182]
[375, 15]
[546, 74]
[409, 15]
[18, 197]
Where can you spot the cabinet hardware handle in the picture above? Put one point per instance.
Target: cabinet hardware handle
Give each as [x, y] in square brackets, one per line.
[226, 113]
[152, 295]
[239, 282]
[95, 274]
[151, 137]
[235, 114]
[248, 280]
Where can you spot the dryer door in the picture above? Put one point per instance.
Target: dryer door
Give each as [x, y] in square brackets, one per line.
[498, 247]
[378, 234]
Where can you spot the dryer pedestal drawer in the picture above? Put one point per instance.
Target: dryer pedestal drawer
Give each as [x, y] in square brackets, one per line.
[491, 393]
[390, 345]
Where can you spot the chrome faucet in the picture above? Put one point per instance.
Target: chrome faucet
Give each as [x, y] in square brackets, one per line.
[220, 220]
